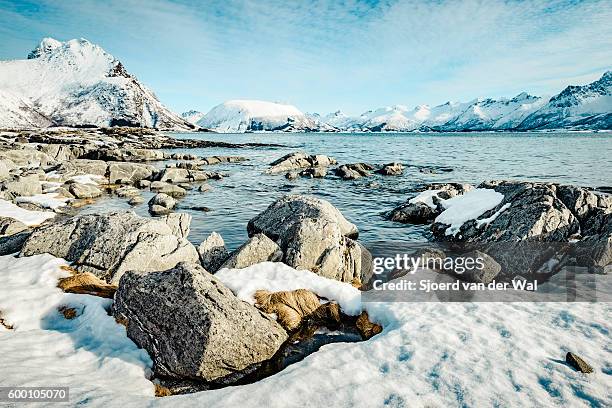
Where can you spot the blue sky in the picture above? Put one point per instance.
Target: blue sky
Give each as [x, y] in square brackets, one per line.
[327, 55]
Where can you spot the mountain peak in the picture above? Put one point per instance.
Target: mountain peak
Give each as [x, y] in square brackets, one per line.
[46, 45]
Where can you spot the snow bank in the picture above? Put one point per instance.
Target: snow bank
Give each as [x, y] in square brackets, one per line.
[28, 217]
[45, 200]
[468, 206]
[429, 354]
[88, 179]
[425, 197]
[91, 354]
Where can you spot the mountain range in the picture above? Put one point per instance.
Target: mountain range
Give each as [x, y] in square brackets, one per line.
[76, 83]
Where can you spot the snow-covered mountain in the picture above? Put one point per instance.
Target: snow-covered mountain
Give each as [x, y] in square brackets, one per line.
[192, 116]
[576, 107]
[77, 83]
[250, 115]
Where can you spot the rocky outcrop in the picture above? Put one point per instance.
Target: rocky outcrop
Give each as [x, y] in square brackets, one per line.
[353, 171]
[79, 190]
[314, 235]
[259, 248]
[129, 173]
[391, 169]
[294, 161]
[427, 205]
[212, 252]
[22, 186]
[578, 363]
[193, 327]
[108, 245]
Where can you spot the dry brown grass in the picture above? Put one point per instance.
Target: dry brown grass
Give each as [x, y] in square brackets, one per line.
[161, 391]
[291, 307]
[68, 312]
[87, 284]
[366, 328]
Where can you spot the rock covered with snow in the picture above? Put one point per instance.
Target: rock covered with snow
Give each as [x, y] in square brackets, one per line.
[239, 116]
[193, 326]
[428, 204]
[192, 116]
[77, 83]
[108, 245]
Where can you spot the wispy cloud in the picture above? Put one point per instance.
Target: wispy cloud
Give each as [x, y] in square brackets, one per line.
[323, 55]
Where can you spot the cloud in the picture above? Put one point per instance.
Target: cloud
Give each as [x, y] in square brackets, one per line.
[323, 55]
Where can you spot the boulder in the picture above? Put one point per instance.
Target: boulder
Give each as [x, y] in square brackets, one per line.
[292, 175]
[172, 190]
[174, 175]
[84, 190]
[391, 169]
[107, 245]
[294, 161]
[127, 191]
[486, 274]
[353, 171]
[10, 244]
[578, 363]
[314, 235]
[259, 248]
[129, 173]
[161, 204]
[528, 211]
[136, 200]
[179, 223]
[194, 327]
[314, 172]
[10, 226]
[23, 186]
[212, 252]
[203, 188]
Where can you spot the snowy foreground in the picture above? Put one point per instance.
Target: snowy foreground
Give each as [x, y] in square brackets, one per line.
[429, 354]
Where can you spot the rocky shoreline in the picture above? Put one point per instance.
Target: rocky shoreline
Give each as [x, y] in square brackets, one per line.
[165, 289]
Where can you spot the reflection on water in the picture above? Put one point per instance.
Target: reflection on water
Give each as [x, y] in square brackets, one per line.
[579, 158]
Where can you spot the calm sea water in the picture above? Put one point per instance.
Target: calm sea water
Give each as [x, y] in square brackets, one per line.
[578, 158]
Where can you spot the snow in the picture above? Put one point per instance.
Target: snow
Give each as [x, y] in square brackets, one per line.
[52, 201]
[239, 116]
[275, 276]
[192, 116]
[28, 217]
[91, 354]
[468, 206]
[94, 179]
[488, 220]
[426, 197]
[429, 354]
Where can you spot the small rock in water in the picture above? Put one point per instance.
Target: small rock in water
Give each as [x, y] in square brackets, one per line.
[292, 175]
[578, 363]
[204, 187]
[161, 204]
[136, 200]
[391, 169]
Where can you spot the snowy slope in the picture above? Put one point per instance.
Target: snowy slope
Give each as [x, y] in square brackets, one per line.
[252, 115]
[192, 116]
[588, 106]
[16, 112]
[77, 83]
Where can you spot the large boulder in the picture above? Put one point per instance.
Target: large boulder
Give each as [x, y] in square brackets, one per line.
[23, 186]
[314, 235]
[161, 204]
[293, 161]
[259, 248]
[179, 223]
[129, 173]
[353, 171]
[79, 190]
[107, 245]
[528, 211]
[194, 327]
[212, 252]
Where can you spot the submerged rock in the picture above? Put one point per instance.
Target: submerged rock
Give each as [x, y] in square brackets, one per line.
[193, 327]
[108, 245]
